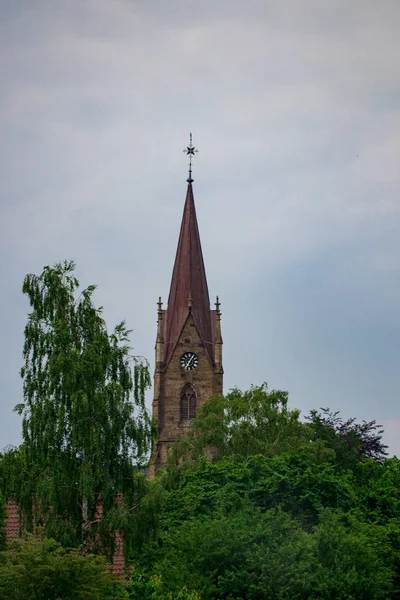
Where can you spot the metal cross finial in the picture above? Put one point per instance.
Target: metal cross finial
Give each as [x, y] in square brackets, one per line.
[190, 151]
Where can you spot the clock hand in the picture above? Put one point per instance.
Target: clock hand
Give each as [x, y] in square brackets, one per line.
[190, 361]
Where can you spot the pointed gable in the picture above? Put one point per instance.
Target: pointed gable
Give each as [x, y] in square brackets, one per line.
[188, 285]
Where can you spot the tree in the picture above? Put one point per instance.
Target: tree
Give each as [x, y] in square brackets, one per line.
[34, 569]
[256, 504]
[350, 440]
[255, 555]
[150, 587]
[85, 425]
[257, 421]
[282, 527]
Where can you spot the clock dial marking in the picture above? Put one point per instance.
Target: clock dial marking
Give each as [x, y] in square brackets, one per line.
[189, 361]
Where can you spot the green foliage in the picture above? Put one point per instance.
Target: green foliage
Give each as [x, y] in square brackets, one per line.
[353, 559]
[254, 554]
[151, 587]
[255, 504]
[291, 481]
[11, 466]
[85, 424]
[253, 422]
[350, 440]
[259, 421]
[243, 424]
[36, 569]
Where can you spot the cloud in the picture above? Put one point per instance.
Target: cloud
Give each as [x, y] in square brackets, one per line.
[391, 435]
[295, 108]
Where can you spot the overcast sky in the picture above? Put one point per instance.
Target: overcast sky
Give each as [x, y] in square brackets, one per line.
[295, 107]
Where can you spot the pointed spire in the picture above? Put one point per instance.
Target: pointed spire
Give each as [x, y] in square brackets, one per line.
[189, 290]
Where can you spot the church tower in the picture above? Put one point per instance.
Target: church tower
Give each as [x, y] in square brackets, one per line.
[189, 344]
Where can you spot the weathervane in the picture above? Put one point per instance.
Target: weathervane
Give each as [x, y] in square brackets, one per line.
[190, 151]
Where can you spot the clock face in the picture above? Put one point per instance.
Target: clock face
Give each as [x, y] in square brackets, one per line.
[189, 361]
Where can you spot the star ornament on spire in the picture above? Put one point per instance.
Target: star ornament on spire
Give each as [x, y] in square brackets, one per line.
[190, 151]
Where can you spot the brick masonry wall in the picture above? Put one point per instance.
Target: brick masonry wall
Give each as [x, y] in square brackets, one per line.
[12, 521]
[205, 380]
[12, 529]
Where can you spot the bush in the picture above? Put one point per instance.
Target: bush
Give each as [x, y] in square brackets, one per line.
[38, 569]
[150, 587]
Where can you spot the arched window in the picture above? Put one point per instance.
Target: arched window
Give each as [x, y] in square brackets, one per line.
[188, 402]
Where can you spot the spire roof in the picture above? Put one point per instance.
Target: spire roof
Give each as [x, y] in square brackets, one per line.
[189, 290]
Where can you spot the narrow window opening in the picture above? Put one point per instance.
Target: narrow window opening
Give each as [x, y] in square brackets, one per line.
[188, 402]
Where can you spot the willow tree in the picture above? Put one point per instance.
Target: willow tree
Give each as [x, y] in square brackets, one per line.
[85, 427]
